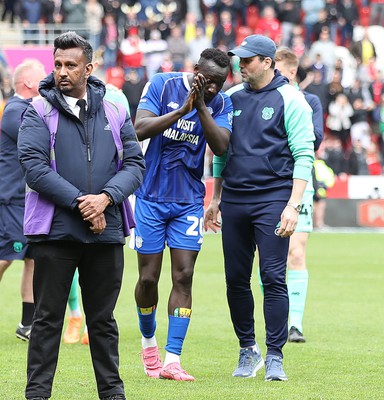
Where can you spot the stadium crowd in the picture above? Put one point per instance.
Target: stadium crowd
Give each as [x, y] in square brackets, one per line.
[333, 39]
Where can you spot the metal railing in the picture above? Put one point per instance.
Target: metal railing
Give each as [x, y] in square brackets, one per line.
[37, 34]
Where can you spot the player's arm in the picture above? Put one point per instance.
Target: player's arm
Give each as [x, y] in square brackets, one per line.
[216, 136]
[211, 217]
[301, 136]
[148, 124]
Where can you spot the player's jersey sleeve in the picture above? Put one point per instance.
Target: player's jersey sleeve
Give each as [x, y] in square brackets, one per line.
[152, 94]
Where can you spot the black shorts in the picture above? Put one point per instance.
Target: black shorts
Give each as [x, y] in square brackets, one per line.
[13, 243]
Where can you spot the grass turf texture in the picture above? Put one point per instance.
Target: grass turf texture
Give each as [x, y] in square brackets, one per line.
[343, 324]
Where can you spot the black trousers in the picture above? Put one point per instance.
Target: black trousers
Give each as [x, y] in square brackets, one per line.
[100, 276]
[245, 227]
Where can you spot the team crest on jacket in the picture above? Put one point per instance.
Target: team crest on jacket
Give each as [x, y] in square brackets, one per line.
[267, 113]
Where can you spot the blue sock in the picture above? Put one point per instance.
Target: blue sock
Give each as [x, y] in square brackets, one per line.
[177, 330]
[147, 321]
[297, 291]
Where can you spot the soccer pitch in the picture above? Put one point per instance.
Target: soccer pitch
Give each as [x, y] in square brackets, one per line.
[343, 324]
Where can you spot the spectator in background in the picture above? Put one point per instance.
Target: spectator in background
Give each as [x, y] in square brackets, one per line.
[131, 53]
[378, 118]
[373, 160]
[197, 45]
[131, 18]
[320, 66]
[112, 7]
[170, 17]
[360, 128]
[109, 41]
[376, 88]
[94, 12]
[314, 84]
[348, 19]
[332, 16]
[261, 4]
[30, 14]
[323, 22]
[74, 11]
[210, 24]
[377, 12]
[338, 121]
[269, 25]
[177, 48]
[155, 49]
[311, 10]
[333, 154]
[289, 16]
[51, 11]
[6, 87]
[224, 35]
[9, 7]
[334, 86]
[298, 42]
[364, 50]
[234, 7]
[327, 49]
[167, 64]
[357, 160]
[189, 27]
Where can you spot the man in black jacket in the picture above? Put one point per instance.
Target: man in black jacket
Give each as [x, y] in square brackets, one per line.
[86, 231]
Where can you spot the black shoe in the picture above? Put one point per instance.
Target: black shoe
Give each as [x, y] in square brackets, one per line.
[37, 398]
[23, 333]
[295, 336]
[114, 397]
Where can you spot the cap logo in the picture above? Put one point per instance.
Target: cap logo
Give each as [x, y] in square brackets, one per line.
[244, 43]
[267, 113]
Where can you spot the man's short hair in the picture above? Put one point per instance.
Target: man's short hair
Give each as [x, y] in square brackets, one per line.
[217, 56]
[71, 40]
[287, 56]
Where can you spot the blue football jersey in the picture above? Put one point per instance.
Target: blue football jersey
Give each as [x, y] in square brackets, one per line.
[175, 157]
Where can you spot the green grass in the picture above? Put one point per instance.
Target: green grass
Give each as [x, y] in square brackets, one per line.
[342, 359]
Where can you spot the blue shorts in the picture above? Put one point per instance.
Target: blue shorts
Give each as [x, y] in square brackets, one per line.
[13, 243]
[180, 226]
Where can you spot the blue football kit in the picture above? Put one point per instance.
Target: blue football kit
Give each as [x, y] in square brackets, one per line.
[174, 168]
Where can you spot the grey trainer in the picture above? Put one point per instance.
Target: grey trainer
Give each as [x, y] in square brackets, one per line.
[250, 361]
[274, 369]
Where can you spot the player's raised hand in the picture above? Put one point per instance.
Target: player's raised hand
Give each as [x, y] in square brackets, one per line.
[198, 86]
[189, 102]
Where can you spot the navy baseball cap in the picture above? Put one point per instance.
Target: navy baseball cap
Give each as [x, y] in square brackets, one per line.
[254, 45]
